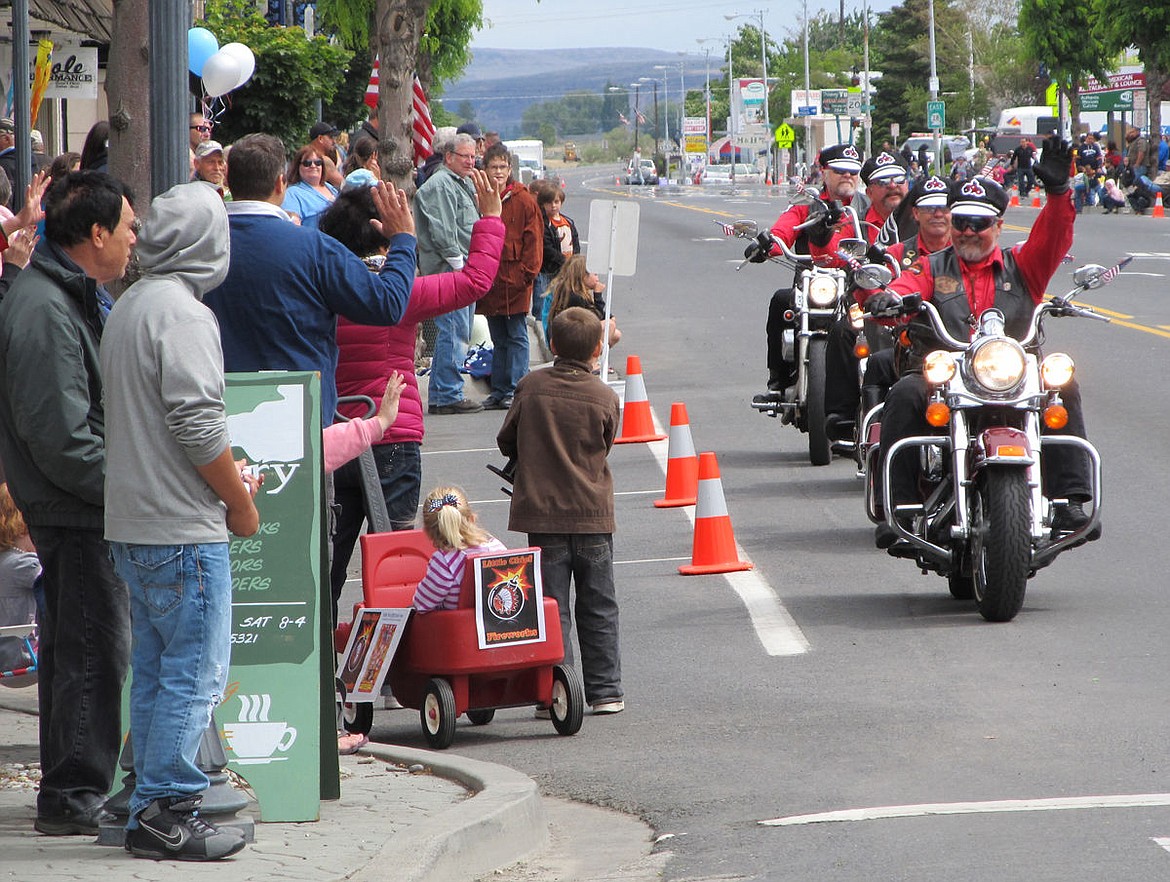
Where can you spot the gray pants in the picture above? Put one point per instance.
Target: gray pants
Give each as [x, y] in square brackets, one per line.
[585, 559]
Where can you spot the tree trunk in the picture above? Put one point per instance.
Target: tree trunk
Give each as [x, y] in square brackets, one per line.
[398, 29]
[128, 94]
[1155, 82]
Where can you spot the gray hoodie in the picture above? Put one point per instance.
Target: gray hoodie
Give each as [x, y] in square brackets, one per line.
[163, 369]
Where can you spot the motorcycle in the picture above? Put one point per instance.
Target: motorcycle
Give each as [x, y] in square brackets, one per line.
[986, 525]
[820, 299]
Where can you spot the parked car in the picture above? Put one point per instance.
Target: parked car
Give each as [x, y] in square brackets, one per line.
[721, 174]
[647, 175]
[953, 145]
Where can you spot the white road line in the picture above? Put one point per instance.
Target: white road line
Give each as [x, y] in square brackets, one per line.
[1061, 803]
[1162, 841]
[776, 629]
[650, 560]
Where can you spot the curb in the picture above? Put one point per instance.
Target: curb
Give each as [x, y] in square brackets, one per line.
[501, 823]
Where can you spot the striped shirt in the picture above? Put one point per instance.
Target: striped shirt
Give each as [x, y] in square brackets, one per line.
[439, 587]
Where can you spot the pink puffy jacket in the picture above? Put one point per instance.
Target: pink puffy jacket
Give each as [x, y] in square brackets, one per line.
[368, 354]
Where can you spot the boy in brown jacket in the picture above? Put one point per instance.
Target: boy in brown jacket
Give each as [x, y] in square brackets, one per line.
[559, 430]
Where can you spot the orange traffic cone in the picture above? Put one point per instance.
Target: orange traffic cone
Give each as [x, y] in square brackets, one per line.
[1159, 211]
[1015, 200]
[1036, 198]
[637, 421]
[682, 465]
[714, 546]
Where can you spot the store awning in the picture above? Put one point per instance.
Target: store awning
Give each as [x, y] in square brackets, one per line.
[93, 18]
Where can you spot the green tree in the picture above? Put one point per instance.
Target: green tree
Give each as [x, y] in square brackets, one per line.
[1069, 53]
[292, 72]
[1146, 27]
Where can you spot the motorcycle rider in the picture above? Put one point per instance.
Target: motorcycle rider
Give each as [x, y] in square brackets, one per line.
[840, 166]
[975, 274]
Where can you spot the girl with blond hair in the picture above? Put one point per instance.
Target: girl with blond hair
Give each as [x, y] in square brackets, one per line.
[575, 285]
[451, 526]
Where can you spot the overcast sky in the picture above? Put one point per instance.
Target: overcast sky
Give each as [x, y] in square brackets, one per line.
[673, 25]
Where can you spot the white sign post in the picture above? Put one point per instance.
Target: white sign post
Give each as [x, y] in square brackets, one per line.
[613, 250]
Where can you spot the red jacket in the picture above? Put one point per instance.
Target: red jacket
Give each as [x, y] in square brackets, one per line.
[369, 354]
[523, 254]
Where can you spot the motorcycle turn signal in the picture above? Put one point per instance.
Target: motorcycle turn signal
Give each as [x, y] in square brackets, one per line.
[938, 414]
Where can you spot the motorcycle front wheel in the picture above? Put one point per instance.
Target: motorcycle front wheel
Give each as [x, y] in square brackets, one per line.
[1002, 552]
[820, 449]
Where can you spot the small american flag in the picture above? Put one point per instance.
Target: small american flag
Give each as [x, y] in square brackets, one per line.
[622, 117]
[989, 167]
[641, 118]
[728, 229]
[1114, 271]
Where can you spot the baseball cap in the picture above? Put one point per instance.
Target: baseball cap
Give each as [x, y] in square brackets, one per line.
[7, 125]
[470, 128]
[930, 192]
[841, 157]
[360, 177]
[322, 128]
[206, 148]
[978, 197]
[884, 165]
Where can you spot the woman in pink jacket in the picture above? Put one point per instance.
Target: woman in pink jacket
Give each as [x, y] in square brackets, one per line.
[368, 355]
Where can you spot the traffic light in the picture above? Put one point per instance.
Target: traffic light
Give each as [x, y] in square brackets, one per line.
[855, 80]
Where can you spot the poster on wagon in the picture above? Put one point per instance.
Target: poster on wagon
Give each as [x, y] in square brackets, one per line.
[509, 598]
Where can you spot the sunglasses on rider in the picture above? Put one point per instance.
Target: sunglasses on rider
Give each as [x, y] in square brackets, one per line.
[962, 222]
[890, 182]
[309, 163]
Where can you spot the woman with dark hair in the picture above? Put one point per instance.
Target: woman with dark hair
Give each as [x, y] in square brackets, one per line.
[64, 164]
[308, 195]
[95, 150]
[363, 154]
[368, 355]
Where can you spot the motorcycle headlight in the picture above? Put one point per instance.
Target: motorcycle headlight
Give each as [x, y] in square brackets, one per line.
[1057, 370]
[998, 364]
[938, 367]
[822, 292]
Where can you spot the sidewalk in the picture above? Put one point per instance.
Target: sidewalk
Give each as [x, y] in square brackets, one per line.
[404, 814]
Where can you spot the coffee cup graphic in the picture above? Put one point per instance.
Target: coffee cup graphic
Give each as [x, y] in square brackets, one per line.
[253, 738]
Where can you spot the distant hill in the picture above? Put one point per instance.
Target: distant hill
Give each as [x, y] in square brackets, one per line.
[500, 84]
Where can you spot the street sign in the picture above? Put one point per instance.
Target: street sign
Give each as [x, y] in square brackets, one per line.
[855, 105]
[804, 110]
[936, 114]
[785, 136]
[835, 101]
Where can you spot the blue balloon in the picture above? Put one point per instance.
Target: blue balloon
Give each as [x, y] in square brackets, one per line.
[201, 45]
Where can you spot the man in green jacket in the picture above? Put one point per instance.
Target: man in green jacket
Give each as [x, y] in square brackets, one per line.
[52, 441]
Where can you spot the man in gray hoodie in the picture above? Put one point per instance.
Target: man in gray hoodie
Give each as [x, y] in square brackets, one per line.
[173, 492]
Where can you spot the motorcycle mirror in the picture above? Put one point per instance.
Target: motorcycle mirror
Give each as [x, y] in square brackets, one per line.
[855, 248]
[745, 229]
[1088, 276]
[872, 276]
[803, 196]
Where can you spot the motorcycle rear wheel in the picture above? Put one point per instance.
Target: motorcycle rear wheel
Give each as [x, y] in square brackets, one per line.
[1002, 552]
[820, 448]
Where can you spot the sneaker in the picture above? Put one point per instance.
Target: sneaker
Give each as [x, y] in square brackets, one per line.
[464, 405]
[609, 706]
[171, 829]
[74, 823]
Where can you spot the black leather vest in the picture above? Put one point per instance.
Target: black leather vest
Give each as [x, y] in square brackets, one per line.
[951, 300]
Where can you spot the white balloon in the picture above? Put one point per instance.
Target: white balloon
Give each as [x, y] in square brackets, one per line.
[221, 72]
[246, 58]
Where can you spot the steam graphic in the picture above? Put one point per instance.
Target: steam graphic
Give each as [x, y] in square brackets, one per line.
[254, 708]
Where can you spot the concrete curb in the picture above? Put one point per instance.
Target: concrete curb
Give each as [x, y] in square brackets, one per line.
[503, 822]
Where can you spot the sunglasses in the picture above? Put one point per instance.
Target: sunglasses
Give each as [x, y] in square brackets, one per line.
[309, 163]
[962, 223]
[890, 182]
[202, 128]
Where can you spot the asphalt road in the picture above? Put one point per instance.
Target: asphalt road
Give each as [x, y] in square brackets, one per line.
[859, 683]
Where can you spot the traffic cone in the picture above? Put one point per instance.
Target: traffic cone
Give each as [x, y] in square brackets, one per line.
[1015, 200]
[1036, 198]
[637, 421]
[714, 545]
[1159, 211]
[682, 465]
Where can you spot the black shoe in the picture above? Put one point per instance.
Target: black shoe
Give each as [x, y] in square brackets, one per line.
[839, 427]
[1069, 518]
[493, 403]
[776, 382]
[171, 829]
[464, 405]
[884, 535]
[74, 823]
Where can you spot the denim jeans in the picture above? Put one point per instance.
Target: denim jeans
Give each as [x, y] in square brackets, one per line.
[540, 295]
[400, 472]
[585, 559]
[84, 652]
[181, 615]
[451, 341]
[509, 352]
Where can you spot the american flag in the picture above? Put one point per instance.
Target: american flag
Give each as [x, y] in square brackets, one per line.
[622, 117]
[728, 229]
[371, 97]
[641, 118]
[989, 167]
[423, 128]
[1114, 271]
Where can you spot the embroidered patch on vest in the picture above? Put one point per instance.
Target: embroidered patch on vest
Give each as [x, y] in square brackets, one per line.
[946, 284]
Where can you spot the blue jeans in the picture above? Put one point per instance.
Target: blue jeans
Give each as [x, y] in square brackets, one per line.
[509, 352]
[454, 334]
[400, 472]
[1084, 194]
[586, 560]
[84, 652]
[181, 616]
[540, 295]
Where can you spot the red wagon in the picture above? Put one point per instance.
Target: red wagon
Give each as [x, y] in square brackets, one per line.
[440, 669]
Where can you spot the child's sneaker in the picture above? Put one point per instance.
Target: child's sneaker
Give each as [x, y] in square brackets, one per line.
[609, 706]
[171, 829]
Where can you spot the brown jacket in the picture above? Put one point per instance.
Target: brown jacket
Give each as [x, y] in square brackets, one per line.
[560, 429]
[523, 254]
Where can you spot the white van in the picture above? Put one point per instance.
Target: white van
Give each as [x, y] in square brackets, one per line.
[1031, 120]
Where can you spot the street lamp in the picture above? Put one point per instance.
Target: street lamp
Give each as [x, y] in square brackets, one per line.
[707, 86]
[665, 115]
[764, 65]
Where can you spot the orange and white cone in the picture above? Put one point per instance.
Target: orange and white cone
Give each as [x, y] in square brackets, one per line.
[1015, 200]
[682, 464]
[637, 421]
[1159, 210]
[714, 548]
[1036, 198]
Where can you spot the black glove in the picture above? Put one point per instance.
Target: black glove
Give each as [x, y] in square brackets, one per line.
[876, 254]
[821, 234]
[1055, 165]
[882, 301]
[760, 248]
